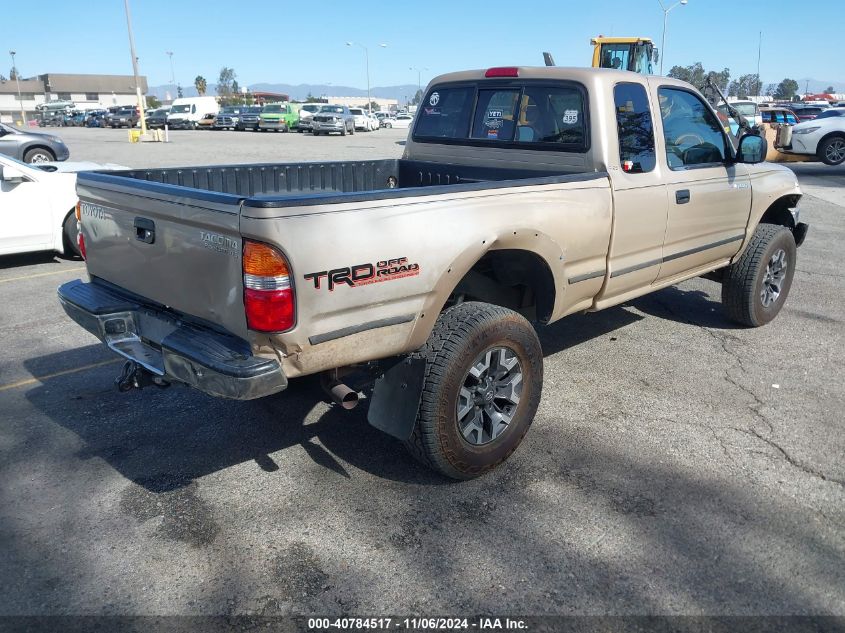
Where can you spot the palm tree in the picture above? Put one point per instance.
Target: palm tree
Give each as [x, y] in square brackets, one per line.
[201, 85]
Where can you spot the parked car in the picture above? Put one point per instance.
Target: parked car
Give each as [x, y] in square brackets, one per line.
[400, 120]
[31, 147]
[41, 200]
[823, 137]
[124, 117]
[206, 122]
[333, 118]
[306, 111]
[96, 118]
[279, 117]
[807, 112]
[157, 118]
[773, 114]
[185, 113]
[749, 110]
[383, 117]
[248, 118]
[362, 119]
[227, 118]
[417, 269]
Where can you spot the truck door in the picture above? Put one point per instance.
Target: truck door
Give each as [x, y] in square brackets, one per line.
[639, 197]
[709, 196]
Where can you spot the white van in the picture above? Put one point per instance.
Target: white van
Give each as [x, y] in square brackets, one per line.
[187, 111]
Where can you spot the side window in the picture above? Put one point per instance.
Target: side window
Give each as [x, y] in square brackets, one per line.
[495, 115]
[635, 128]
[790, 118]
[692, 133]
[780, 118]
[767, 117]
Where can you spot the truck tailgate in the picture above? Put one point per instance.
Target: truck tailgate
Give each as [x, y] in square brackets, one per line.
[183, 252]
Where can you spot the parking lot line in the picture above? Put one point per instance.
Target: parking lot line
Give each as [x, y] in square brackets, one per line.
[52, 272]
[35, 379]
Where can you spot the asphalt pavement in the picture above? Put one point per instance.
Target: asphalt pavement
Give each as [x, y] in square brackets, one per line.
[677, 464]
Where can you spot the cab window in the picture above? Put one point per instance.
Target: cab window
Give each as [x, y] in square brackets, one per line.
[635, 129]
[691, 132]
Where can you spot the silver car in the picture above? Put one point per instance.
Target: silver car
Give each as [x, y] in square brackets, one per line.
[333, 118]
[31, 147]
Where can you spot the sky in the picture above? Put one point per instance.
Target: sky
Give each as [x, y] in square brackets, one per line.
[305, 42]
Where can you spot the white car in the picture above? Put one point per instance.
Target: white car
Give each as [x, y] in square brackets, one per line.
[37, 206]
[362, 119]
[823, 137]
[400, 120]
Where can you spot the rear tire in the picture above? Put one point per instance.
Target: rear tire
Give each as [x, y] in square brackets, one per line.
[70, 233]
[832, 150]
[482, 386]
[756, 285]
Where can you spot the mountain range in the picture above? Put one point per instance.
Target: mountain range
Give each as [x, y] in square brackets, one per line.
[400, 93]
[300, 92]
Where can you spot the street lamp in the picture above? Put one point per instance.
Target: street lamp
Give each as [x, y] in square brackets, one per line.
[367, 63]
[419, 77]
[665, 16]
[172, 72]
[18, 82]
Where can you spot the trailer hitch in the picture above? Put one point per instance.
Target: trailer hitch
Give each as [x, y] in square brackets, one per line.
[134, 376]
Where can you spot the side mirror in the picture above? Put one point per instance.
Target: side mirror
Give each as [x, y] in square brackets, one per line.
[10, 174]
[752, 149]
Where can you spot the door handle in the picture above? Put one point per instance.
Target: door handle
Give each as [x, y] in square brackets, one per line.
[682, 196]
[145, 230]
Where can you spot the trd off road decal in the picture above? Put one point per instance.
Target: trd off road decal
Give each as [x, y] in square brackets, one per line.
[364, 274]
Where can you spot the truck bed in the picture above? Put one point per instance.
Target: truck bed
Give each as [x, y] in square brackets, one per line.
[298, 184]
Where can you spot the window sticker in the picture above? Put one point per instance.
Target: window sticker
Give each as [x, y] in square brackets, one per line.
[432, 111]
[434, 99]
[570, 117]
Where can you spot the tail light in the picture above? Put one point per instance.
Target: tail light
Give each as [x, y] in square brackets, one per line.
[268, 294]
[80, 239]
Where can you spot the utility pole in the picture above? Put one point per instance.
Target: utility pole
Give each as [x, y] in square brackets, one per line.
[18, 82]
[172, 72]
[759, 48]
[419, 77]
[135, 67]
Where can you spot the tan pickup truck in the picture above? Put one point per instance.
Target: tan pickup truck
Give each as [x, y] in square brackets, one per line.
[523, 195]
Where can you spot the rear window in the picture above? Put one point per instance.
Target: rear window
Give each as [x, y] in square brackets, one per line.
[532, 115]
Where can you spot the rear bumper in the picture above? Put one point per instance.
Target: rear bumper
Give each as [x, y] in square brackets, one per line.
[166, 346]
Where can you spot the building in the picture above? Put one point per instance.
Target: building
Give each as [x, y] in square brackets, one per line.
[361, 102]
[86, 91]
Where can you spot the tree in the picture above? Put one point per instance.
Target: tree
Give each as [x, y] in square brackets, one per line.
[744, 86]
[201, 85]
[373, 107]
[2, 77]
[698, 77]
[179, 92]
[771, 89]
[236, 88]
[830, 90]
[786, 89]
[153, 102]
[224, 83]
[417, 98]
[13, 74]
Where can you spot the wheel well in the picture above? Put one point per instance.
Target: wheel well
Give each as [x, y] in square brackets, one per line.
[778, 212]
[515, 279]
[29, 148]
[828, 136]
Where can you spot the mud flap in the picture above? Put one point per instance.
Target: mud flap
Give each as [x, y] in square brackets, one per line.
[396, 398]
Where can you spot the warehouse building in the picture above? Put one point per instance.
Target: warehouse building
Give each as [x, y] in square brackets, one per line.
[86, 91]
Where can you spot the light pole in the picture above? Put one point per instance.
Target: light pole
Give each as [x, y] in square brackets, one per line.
[172, 72]
[665, 17]
[18, 82]
[135, 67]
[367, 63]
[419, 78]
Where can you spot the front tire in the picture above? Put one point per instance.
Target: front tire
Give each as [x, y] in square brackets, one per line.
[482, 385]
[39, 155]
[755, 286]
[832, 150]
